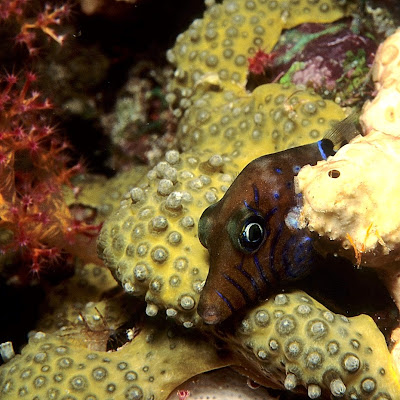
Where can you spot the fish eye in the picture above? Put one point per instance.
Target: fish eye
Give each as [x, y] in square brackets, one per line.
[206, 224]
[252, 234]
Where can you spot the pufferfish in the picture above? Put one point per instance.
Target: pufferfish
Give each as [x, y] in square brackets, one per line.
[251, 234]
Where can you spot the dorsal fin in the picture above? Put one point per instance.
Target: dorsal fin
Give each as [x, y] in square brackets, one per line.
[345, 130]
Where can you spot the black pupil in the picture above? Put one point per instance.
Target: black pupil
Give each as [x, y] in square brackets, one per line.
[253, 232]
[252, 235]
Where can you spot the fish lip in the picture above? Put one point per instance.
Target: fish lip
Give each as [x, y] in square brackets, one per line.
[209, 315]
[208, 312]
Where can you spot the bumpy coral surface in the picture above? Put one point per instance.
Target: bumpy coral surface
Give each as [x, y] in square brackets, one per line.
[149, 367]
[214, 50]
[291, 342]
[142, 242]
[208, 88]
[150, 244]
[248, 125]
[295, 340]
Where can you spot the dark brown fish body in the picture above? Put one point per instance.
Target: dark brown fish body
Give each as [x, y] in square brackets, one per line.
[253, 241]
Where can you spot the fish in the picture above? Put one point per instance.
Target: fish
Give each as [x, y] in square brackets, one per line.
[254, 242]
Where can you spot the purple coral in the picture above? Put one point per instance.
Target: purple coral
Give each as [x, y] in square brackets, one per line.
[316, 74]
[324, 57]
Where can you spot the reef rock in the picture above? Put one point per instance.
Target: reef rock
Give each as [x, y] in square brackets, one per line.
[383, 113]
[351, 198]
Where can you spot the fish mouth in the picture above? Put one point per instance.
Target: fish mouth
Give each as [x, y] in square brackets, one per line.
[212, 307]
[210, 315]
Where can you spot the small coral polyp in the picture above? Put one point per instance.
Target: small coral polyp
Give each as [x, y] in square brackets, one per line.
[45, 22]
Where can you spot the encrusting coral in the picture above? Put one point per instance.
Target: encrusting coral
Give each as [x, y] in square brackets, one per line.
[149, 367]
[213, 52]
[245, 126]
[290, 341]
[302, 344]
[266, 117]
[150, 244]
[209, 84]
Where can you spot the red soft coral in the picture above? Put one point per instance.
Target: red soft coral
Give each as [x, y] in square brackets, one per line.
[44, 22]
[35, 222]
[260, 62]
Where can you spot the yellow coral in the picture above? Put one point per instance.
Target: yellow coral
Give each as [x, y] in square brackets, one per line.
[102, 195]
[89, 305]
[288, 342]
[150, 244]
[302, 344]
[150, 367]
[215, 48]
[245, 126]
[153, 249]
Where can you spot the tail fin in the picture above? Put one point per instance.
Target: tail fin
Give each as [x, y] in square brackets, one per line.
[345, 130]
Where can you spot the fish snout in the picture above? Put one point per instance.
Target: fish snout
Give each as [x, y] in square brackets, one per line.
[212, 308]
[209, 314]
